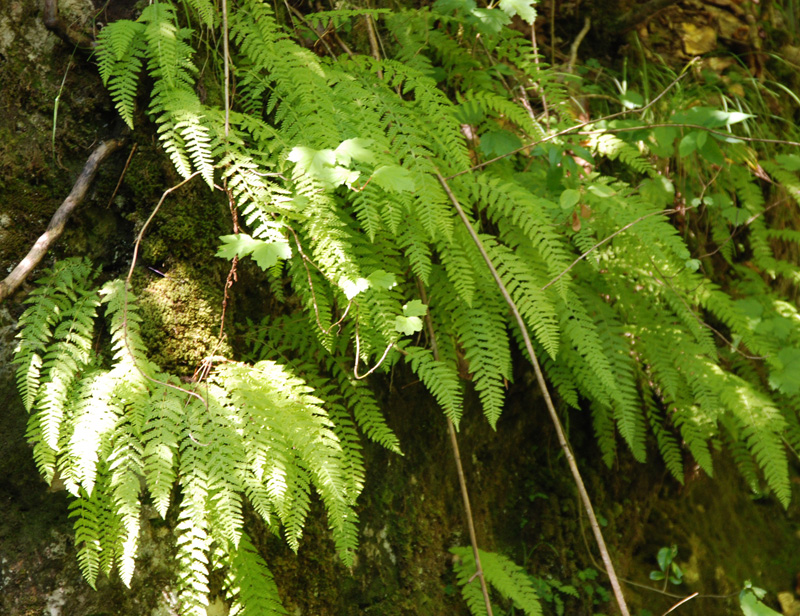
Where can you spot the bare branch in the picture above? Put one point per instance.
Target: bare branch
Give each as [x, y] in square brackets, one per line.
[59, 220]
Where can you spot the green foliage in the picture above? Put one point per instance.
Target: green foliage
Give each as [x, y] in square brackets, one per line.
[120, 433]
[750, 601]
[647, 263]
[502, 574]
[668, 569]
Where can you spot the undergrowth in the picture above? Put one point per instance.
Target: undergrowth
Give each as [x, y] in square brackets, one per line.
[646, 252]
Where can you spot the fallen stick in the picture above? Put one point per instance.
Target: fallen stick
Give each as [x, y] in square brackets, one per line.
[59, 220]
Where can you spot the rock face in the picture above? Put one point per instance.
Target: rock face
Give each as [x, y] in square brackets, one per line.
[410, 512]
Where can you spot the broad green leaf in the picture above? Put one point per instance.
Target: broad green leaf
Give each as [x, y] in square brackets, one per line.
[786, 379]
[351, 288]
[415, 308]
[601, 190]
[490, 21]
[752, 309]
[309, 160]
[778, 328]
[582, 152]
[569, 198]
[394, 178]
[688, 144]
[240, 245]
[665, 556]
[734, 117]
[751, 606]
[631, 100]
[408, 325]
[321, 164]
[664, 137]
[499, 143]
[523, 8]
[357, 149]
[266, 254]
[710, 151]
[340, 175]
[692, 265]
[736, 216]
[380, 279]
[710, 118]
[657, 190]
[448, 7]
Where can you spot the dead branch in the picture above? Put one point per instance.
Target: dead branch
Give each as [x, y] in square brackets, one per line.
[63, 30]
[59, 220]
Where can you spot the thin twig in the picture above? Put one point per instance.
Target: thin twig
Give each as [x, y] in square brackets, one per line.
[64, 31]
[227, 58]
[538, 70]
[127, 285]
[341, 43]
[573, 50]
[373, 38]
[462, 482]
[577, 127]
[562, 439]
[358, 352]
[608, 239]
[59, 219]
[739, 228]
[628, 129]
[373, 42]
[673, 595]
[552, 32]
[697, 317]
[642, 12]
[232, 276]
[308, 25]
[149, 220]
[305, 260]
[122, 175]
[679, 603]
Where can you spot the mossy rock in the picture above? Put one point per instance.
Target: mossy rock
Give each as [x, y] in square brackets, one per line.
[181, 319]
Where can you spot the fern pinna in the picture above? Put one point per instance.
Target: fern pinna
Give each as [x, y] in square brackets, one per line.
[333, 161]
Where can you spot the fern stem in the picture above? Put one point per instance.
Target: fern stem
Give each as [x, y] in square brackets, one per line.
[462, 482]
[562, 439]
[139, 237]
[127, 284]
[607, 239]
[540, 88]
[227, 58]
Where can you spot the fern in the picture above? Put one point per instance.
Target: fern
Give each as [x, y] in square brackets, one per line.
[107, 427]
[337, 160]
[510, 580]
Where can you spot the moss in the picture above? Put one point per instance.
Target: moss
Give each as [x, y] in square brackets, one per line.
[181, 319]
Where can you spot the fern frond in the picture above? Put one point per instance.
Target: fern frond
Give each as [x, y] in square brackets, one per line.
[440, 379]
[510, 580]
[615, 148]
[120, 52]
[253, 588]
[89, 517]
